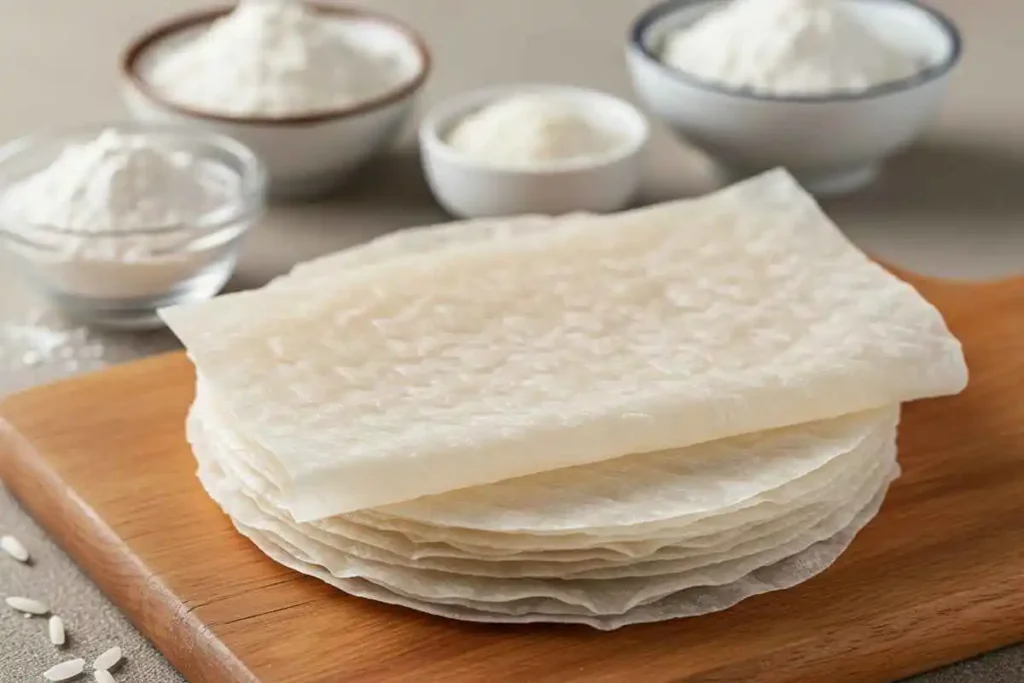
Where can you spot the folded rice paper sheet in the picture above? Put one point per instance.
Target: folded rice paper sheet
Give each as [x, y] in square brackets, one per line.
[597, 337]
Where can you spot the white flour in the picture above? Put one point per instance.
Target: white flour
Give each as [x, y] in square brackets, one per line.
[273, 58]
[40, 337]
[116, 183]
[94, 222]
[788, 47]
[530, 131]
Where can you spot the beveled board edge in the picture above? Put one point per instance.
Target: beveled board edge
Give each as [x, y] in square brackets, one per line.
[154, 610]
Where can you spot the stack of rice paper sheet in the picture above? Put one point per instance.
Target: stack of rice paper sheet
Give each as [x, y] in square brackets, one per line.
[592, 419]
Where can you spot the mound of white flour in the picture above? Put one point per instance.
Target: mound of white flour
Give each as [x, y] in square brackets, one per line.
[789, 47]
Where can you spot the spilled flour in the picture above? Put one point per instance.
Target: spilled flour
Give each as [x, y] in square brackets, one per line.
[40, 337]
[38, 344]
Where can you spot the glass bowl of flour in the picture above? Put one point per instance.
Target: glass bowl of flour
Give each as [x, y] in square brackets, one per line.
[114, 222]
[828, 89]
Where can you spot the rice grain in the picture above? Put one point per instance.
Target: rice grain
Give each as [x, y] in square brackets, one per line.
[108, 660]
[65, 671]
[56, 628]
[15, 548]
[26, 605]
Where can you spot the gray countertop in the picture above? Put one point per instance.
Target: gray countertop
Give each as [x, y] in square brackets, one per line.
[952, 206]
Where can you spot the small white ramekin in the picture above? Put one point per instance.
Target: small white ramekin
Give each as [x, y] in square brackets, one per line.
[468, 188]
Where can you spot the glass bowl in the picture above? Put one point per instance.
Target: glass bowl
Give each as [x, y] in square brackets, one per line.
[120, 278]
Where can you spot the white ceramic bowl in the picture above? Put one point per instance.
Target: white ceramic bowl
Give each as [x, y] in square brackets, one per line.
[831, 143]
[306, 154]
[465, 187]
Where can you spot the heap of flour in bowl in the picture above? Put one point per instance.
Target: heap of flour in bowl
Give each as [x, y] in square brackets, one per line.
[593, 419]
[104, 217]
[532, 130]
[790, 47]
[275, 58]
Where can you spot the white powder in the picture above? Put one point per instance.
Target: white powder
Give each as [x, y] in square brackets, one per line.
[531, 130]
[117, 183]
[41, 337]
[95, 221]
[789, 47]
[274, 58]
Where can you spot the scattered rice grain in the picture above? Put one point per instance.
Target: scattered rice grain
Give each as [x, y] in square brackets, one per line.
[27, 605]
[102, 676]
[65, 671]
[15, 548]
[108, 660]
[56, 628]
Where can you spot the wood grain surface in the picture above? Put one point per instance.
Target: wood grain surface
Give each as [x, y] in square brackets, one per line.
[102, 462]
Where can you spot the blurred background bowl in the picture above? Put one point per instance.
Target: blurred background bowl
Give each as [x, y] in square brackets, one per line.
[119, 278]
[599, 184]
[305, 154]
[832, 143]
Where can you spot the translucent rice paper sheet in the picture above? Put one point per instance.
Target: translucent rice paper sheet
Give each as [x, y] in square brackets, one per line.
[345, 558]
[647, 491]
[396, 549]
[790, 531]
[599, 596]
[687, 603]
[792, 523]
[643, 496]
[685, 323]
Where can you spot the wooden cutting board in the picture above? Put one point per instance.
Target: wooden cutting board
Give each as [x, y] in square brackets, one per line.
[102, 462]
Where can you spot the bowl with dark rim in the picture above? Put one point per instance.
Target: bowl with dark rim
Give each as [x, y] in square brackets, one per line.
[308, 153]
[834, 142]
